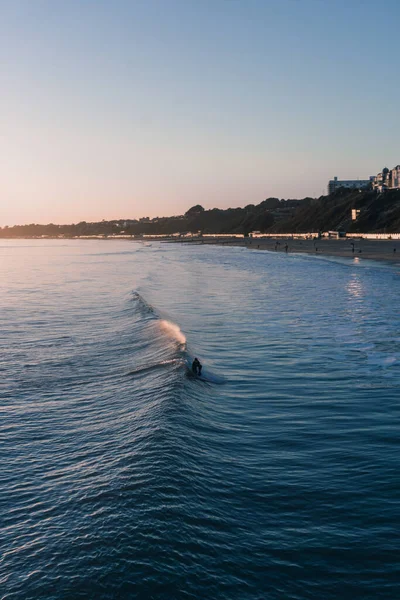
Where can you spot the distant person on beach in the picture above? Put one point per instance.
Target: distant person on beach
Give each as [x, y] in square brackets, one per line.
[286, 248]
[196, 367]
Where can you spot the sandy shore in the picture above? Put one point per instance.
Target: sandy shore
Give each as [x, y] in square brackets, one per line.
[386, 250]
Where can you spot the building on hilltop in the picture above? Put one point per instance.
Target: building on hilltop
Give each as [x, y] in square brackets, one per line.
[381, 182]
[350, 184]
[387, 180]
[395, 173]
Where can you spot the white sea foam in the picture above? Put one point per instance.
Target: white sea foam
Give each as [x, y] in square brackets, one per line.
[173, 331]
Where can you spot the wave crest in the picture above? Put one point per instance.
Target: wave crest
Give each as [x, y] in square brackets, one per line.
[173, 331]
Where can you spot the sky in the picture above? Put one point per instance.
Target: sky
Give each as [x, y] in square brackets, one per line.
[129, 108]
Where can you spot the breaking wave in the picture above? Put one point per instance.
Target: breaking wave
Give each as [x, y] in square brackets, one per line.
[168, 343]
[174, 332]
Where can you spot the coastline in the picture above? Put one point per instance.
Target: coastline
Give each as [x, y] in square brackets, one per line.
[378, 250]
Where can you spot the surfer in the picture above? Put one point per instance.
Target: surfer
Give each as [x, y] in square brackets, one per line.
[196, 367]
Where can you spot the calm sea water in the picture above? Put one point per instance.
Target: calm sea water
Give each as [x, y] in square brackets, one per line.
[277, 477]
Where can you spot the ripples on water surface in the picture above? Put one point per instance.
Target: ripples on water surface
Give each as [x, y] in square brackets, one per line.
[121, 477]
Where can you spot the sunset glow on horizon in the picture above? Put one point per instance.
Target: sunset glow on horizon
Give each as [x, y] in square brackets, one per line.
[122, 109]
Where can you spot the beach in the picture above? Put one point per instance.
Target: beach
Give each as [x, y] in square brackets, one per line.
[382, 250]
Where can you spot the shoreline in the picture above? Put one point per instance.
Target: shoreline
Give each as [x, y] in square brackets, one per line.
[378, 250]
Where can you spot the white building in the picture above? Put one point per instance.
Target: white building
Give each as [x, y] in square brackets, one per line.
[395, 177]
[387, 180]
[350, 184]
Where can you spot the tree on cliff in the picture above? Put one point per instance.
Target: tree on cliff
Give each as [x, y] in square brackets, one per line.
[195, 210]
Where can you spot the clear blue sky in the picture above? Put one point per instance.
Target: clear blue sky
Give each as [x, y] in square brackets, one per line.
[113, 109]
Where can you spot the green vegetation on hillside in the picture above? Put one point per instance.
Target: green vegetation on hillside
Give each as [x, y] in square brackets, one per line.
[378, 213]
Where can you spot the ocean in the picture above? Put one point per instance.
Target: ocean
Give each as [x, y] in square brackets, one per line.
[274, 476]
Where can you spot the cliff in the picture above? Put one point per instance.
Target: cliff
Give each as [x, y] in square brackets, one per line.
[378, 213]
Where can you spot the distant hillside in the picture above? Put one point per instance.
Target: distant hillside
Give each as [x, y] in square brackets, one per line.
[378, 212]
[232, 220]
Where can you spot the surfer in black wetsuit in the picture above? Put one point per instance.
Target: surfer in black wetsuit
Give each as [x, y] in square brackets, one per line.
[196, 367]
